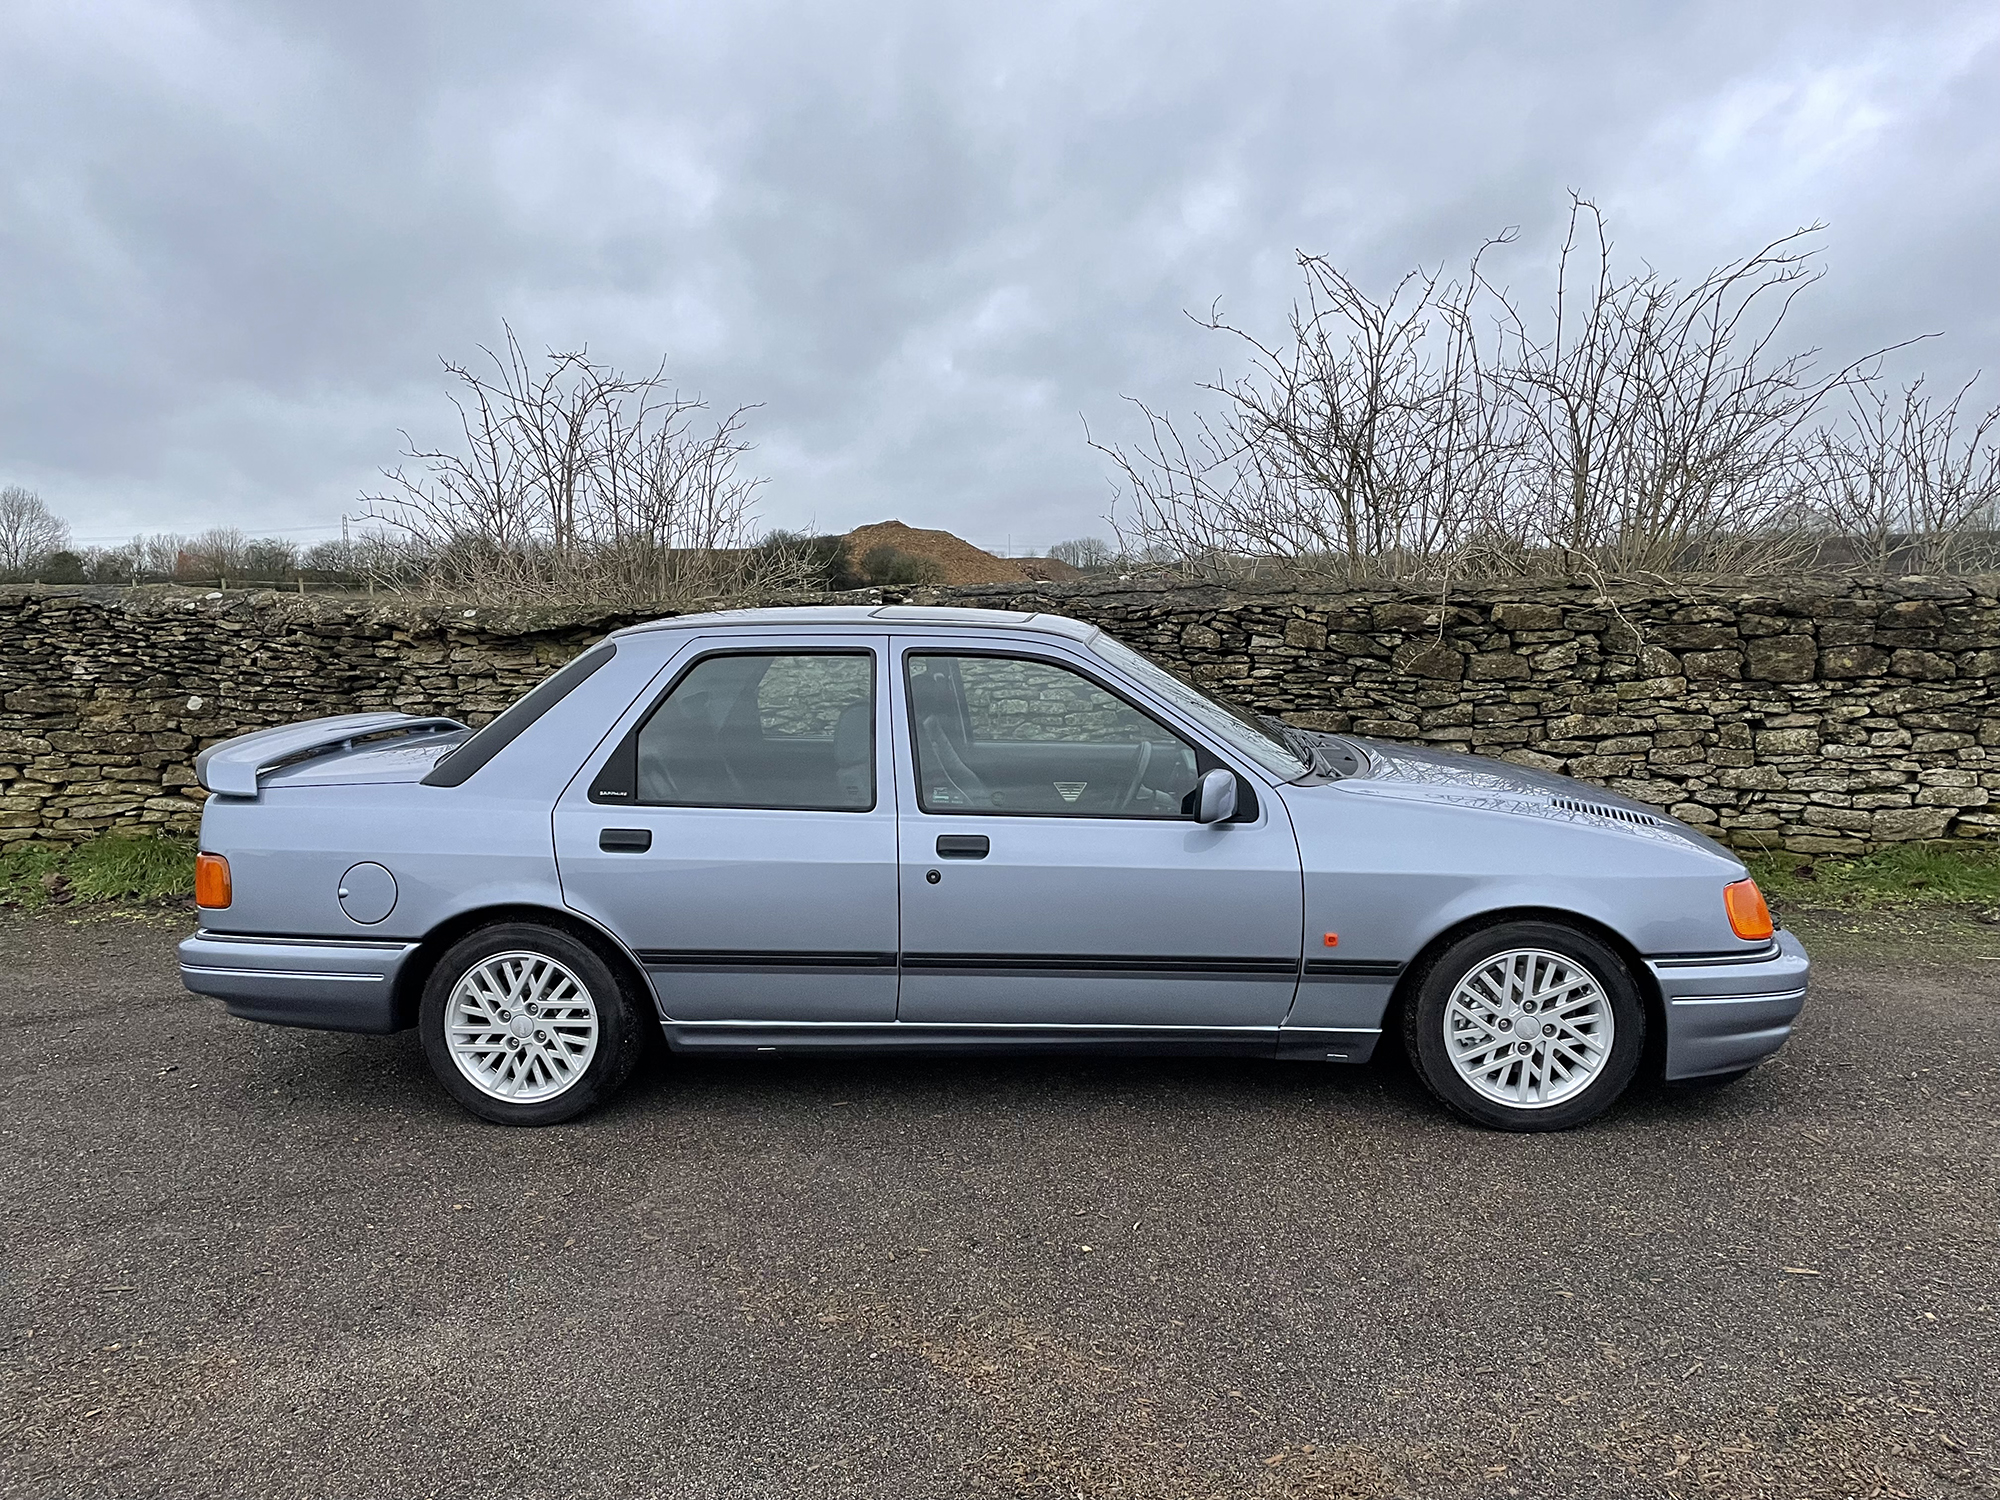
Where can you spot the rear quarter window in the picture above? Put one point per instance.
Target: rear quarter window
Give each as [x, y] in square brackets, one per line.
[459, 765]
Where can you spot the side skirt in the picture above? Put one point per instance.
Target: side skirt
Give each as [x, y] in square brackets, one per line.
[947, 1037]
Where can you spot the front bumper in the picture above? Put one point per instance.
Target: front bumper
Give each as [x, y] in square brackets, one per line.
[1726, 1013]
[322, 982]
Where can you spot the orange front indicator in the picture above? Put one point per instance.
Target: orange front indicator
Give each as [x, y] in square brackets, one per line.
[1749, 917]
[211, 881]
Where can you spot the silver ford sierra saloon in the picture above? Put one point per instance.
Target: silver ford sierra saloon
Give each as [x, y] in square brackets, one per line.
[960, 830]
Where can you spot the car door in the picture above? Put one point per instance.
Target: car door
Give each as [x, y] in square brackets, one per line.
[1052, 873]
[738, 832]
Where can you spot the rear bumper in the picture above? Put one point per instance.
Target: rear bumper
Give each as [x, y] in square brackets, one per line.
[319, 982]
[1724, 1014]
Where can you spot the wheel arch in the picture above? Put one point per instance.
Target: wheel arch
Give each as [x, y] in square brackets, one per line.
[418, 967]
[1651, 1065]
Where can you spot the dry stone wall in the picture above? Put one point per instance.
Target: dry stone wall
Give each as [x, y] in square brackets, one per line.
[1819, 717]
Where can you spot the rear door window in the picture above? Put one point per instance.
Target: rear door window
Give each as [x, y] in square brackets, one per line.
[780, 729]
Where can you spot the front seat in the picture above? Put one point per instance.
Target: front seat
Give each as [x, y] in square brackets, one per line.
[945, 770]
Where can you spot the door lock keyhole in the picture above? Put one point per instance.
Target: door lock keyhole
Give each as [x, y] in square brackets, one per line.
[933, 876]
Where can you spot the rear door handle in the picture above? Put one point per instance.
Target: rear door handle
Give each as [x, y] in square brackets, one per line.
[625, 840]
[963, 846]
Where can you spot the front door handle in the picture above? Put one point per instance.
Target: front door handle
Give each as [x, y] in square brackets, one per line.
[963, 846]
[625, 840]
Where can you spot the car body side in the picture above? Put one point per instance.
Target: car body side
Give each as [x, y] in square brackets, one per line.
[1391, 864]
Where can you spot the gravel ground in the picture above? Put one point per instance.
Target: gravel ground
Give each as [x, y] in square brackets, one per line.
[248, 1261]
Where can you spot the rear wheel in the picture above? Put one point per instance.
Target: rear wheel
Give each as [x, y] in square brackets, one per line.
[1526, 1026]
[527, 1025]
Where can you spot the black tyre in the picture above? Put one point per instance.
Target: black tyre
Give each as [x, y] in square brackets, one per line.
[1526, 1026]
[527, 1025]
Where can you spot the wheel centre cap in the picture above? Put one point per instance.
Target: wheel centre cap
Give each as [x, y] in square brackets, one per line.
[522, 1027]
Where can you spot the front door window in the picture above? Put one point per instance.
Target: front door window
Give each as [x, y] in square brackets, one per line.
[1012, 735]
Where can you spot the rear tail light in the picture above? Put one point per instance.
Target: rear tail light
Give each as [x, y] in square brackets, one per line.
[211, 880]
[1749, 917]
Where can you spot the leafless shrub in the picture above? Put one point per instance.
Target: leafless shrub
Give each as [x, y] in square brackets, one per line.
[1640, 425]
[1911, 483]
[577, 481]
[1661, 429]
[1371, 445]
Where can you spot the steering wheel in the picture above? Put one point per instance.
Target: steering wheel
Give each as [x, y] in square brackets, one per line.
[1144, 759]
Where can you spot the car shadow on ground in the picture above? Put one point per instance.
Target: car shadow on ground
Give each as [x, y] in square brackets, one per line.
[391, 1076]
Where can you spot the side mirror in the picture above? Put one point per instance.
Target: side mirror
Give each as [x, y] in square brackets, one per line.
[1215, 800]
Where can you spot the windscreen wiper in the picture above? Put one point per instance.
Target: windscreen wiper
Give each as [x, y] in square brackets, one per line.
[1316, 758]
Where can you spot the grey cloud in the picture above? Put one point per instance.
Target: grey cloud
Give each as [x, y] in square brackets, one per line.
[928, 239]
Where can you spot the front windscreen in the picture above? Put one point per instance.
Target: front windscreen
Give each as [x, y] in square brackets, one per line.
[1217, 714]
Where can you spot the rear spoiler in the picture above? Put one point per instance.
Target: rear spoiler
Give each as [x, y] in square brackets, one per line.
[232, 768]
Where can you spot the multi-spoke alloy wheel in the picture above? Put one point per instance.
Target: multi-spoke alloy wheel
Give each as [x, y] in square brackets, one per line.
[521, 1027]
[1526, 1025]
[529, 1025]
[1529, 1028]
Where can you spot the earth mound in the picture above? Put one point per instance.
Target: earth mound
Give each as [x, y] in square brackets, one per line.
[958, 560]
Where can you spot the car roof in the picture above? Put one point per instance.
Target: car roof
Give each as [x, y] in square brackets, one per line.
[915, 618]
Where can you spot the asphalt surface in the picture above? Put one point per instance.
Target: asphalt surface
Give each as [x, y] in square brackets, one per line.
[247, 1261]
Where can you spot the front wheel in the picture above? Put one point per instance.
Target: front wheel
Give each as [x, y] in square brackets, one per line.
[1526, 1026]
[526, 1025]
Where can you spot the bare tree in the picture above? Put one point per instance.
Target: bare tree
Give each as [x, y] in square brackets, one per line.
[577, 481]
[1089, 553]
[29, 532]
[218, 553]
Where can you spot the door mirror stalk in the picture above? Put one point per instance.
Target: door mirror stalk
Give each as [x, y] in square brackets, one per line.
[1215, 798]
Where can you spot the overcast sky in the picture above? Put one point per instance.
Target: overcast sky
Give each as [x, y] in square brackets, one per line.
[932, 240]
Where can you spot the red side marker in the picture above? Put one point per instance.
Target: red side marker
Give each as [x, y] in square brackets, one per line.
[1333, 940]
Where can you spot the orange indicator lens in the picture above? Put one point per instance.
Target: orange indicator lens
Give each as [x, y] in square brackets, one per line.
[211, 881]
[1749, 917]
[1333, 940]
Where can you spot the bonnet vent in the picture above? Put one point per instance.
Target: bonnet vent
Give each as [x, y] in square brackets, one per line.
[1600, 810]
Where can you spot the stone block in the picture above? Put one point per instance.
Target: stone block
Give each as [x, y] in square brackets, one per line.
[1781, 658]
[1533, 760]
[1512, 616]
[1907, 614]
[1497, 666]
[1401, 616]
[1847, 662]
[1895, 825]
[1431, 659]
[1923, 665]
[1788, 742]
[1948, 776]
[1693, 637]
[1711, 666]
[1752, 778]
[1953, 796]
